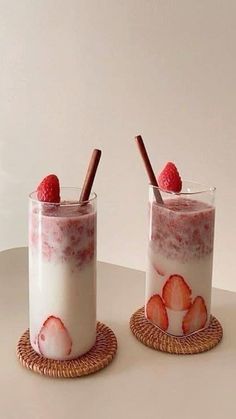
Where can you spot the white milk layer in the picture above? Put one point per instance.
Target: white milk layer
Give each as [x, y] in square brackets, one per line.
[197, 273]
[63, 290]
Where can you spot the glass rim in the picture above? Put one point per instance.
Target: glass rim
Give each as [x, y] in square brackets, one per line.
[92, 198]
[203, 189]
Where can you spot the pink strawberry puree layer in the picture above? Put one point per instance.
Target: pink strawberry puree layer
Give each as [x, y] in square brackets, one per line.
[62, 279]
[179, 268]
[183, 229]
[63, 232]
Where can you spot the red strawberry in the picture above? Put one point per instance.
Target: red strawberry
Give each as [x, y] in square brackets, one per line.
[196, 317]
[169, 179]
[156, 312]
[54, 340]
[176, 293]
[49, 189]
[158, 270]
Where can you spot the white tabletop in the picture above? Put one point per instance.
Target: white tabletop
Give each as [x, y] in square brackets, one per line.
[139, 383]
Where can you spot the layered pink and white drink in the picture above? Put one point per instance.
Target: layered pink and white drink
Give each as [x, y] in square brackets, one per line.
[62, 275]
[180, 255]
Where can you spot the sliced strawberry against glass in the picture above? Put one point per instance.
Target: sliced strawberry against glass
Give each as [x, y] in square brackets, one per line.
[176, 293]
[156, 312]
[54, 340]
[158, 270]
[196, 317]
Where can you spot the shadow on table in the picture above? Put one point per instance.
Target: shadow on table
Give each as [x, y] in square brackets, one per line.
[226, 314]
[131, 353]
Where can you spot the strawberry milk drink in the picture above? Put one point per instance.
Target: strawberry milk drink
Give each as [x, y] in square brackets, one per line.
[180, 255]
[62, 271]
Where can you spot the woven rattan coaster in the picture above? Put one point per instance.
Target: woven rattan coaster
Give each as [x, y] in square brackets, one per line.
[97, 358]
[153, 337]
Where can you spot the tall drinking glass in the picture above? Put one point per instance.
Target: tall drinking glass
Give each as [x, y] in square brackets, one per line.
[62, 275]
[180, 256]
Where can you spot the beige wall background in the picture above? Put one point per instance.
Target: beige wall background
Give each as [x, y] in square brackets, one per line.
[82, 74]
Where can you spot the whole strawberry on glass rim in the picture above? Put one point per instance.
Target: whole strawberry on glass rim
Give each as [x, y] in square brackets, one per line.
[169, 178]
[49, 189]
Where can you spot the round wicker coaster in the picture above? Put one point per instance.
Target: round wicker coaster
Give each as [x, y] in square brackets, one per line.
[153, 337]
[97, 358]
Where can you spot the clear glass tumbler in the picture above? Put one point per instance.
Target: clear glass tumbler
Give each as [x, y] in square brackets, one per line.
[180, 256]
[62, 275]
